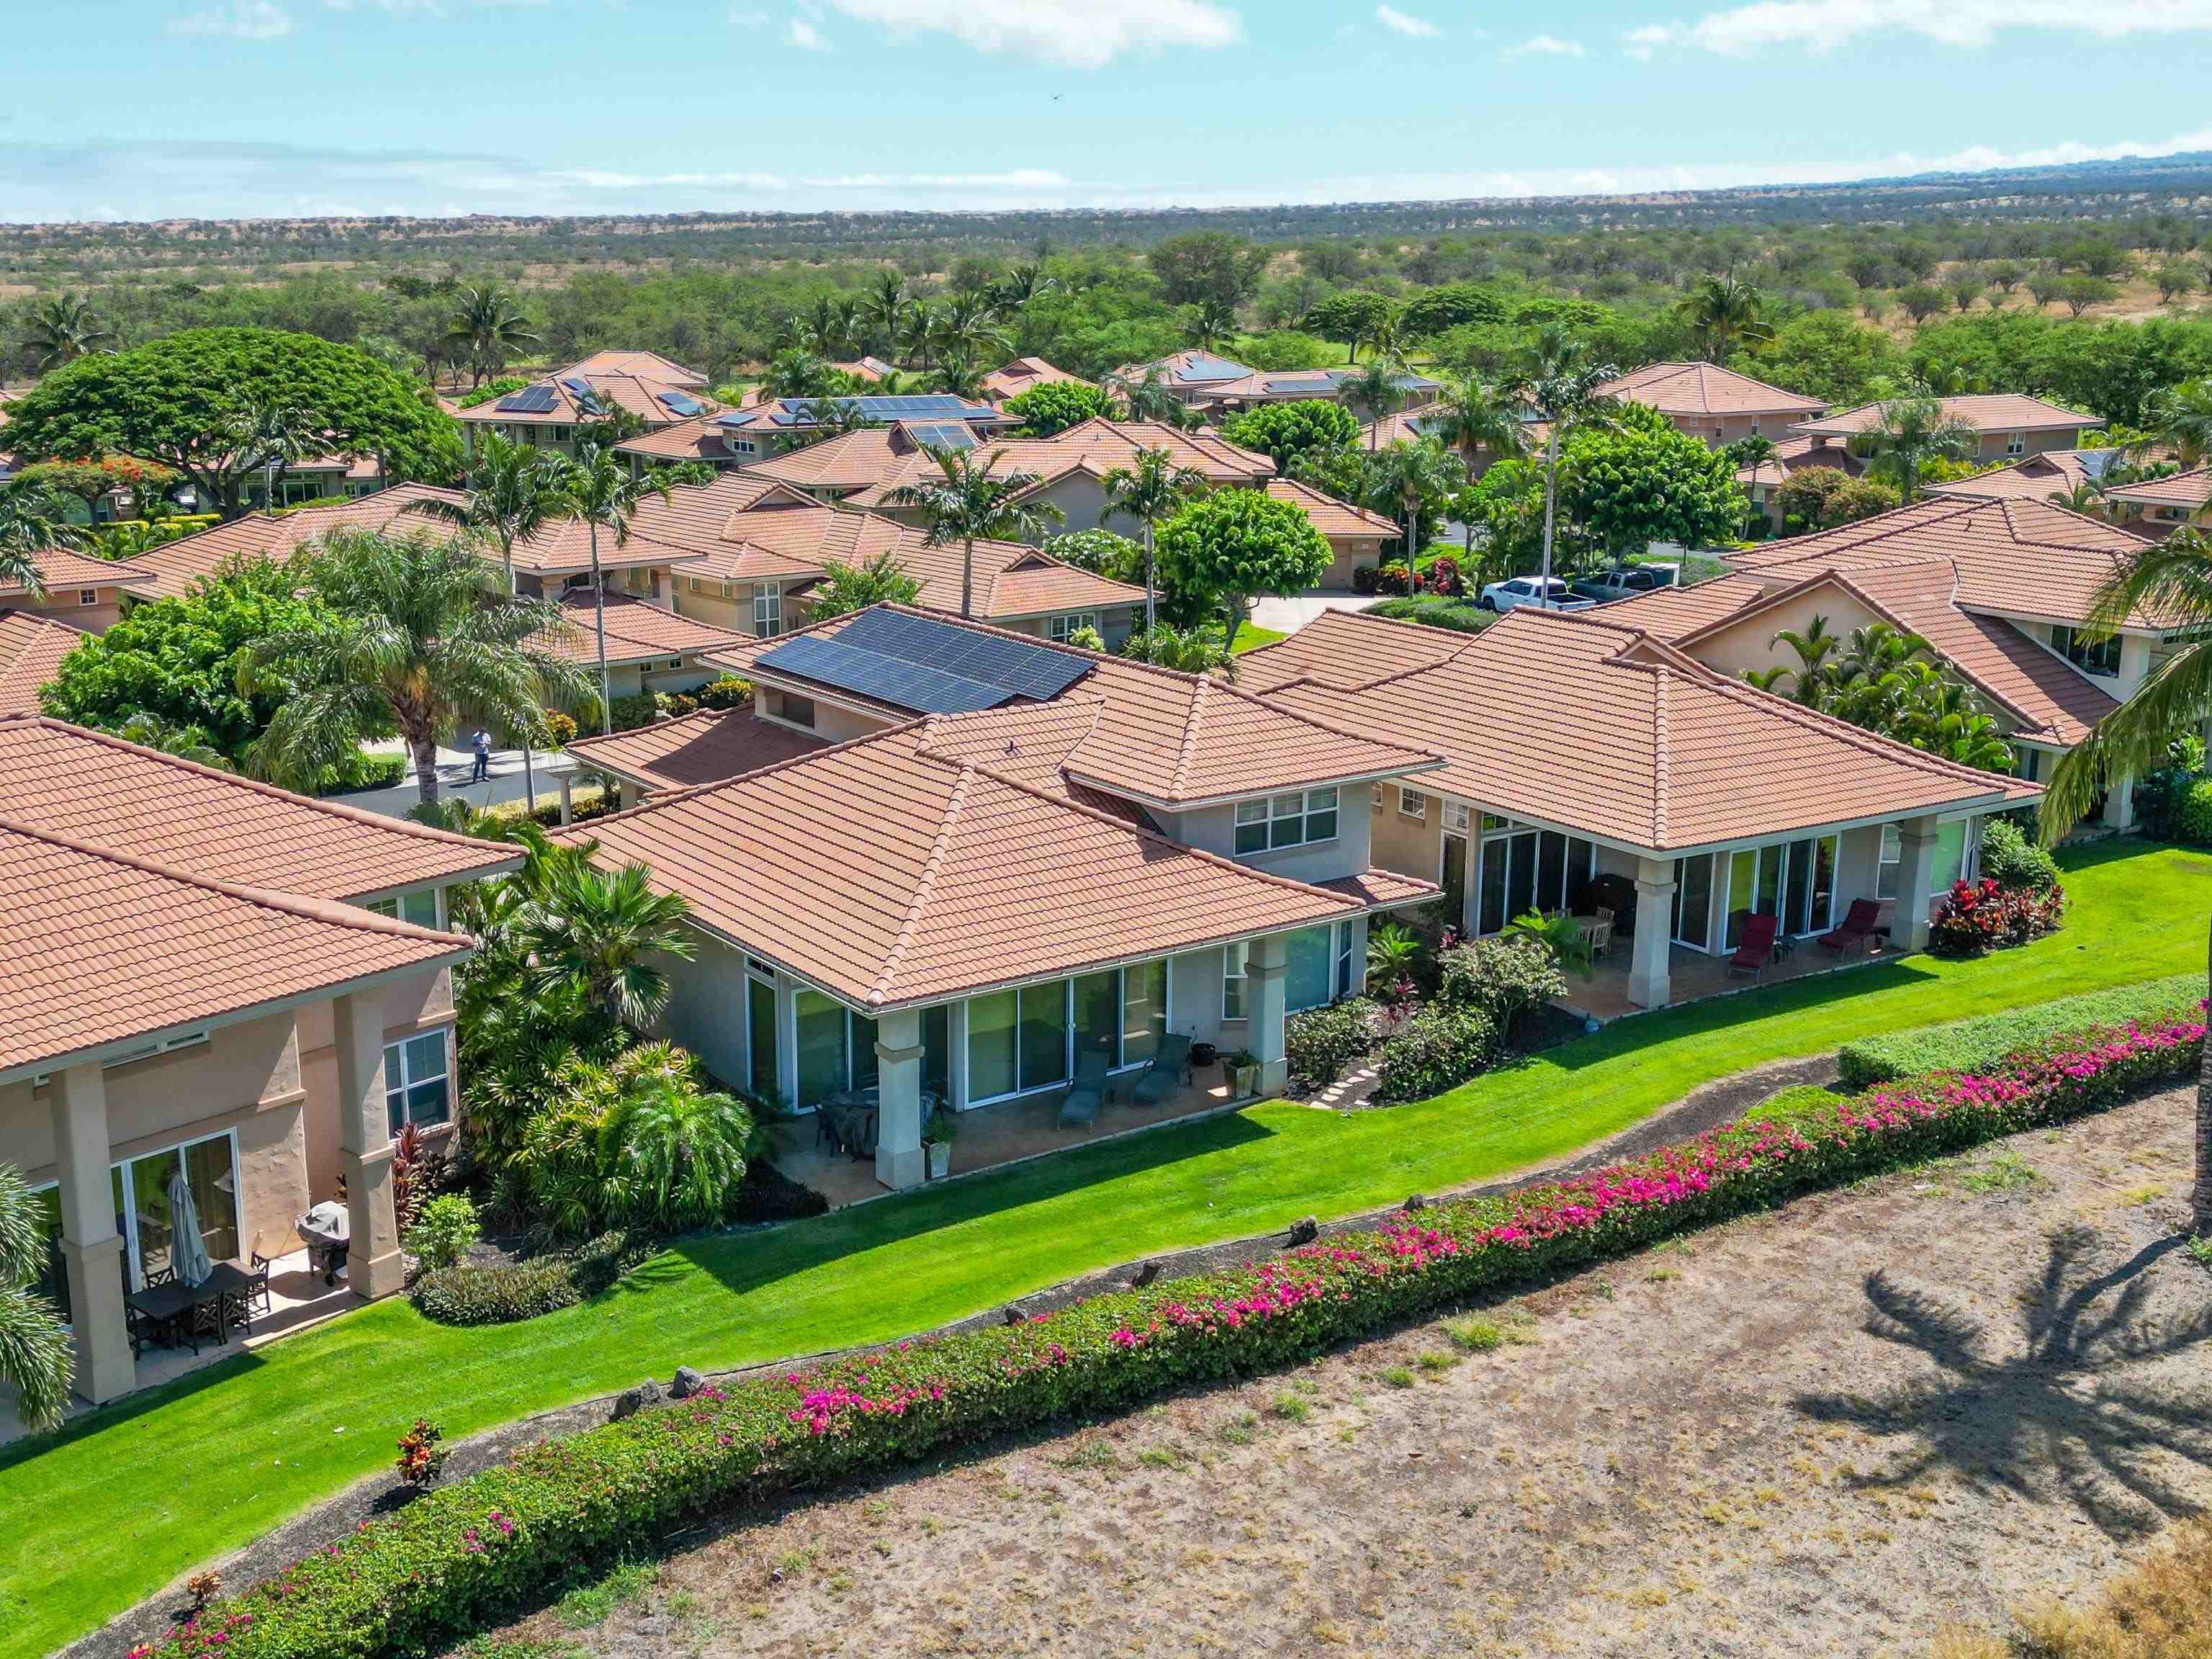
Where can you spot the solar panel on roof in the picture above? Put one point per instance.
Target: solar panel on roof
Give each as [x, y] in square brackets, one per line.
[531, 400]
[580, 390]
[1199, 365]
[941, 435]
[883, 676]
[681, 403]
[1014, 666]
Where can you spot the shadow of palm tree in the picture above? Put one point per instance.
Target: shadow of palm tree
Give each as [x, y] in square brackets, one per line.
[2072, 1409]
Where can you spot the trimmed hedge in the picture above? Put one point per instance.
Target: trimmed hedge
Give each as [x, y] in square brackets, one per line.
[503, 1293]
[1988, 1039]
[1320, 1042]
[460, 1557]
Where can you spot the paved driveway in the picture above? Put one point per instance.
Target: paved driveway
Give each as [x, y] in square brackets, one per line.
[1288, 615]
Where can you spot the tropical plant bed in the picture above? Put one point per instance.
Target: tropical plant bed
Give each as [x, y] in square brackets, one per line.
[447, 1563]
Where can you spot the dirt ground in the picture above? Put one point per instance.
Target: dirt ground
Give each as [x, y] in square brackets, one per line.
[1934, 1397]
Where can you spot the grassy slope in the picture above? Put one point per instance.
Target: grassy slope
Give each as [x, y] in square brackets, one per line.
[133, 1496]
[1251, 636]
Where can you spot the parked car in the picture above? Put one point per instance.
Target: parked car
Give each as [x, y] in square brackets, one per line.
[1628, 580]
[1521, 590]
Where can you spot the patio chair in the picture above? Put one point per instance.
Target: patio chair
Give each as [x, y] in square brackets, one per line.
[1758, 947]
[1169, 1070]
[1857, 927]
[239, 1305]
[1088, 1093]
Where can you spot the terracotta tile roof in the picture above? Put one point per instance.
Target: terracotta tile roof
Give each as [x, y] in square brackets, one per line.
[1405, 427]
[1706, 391]
[1329, 515]
[698, 439]
[1794, 455]
[2186, 490]
[1670, 613]
[99, 945]
[1169, 739]
[888, 874]
[62, 569]
[1984, 411]
[1303, 385]
[638, 630]
[1024, 375]
[1580, 723]
[173, 571]
[2035, 479]
[89, 786]
[647, 365]
[1190, 370]
[852, 461]
[2017, 556]
[708, 747]
[32, 647]
[1095, 446]
[655, 401]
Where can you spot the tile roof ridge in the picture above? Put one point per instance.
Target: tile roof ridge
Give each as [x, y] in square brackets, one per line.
[1193, 711]
[927, 883]
[1258, 701]
[1663, 683]
[337, 809]
[333, 911]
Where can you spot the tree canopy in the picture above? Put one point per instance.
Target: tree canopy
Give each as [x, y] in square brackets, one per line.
[1349, 319]
[1236, 544]
[1636, 479]
[1057, 405]
[1284, 432]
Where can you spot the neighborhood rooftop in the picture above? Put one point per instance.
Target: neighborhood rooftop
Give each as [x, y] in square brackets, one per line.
[32, 647]
[1984, 411]
[1706, 389]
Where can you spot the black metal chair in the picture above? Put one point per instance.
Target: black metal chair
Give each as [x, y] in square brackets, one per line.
[239, 1305]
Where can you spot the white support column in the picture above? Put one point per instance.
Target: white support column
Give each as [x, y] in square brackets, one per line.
[1266, 966]
[2120, 805]
[1649, 985]
[568, 782]
[1915, 878]
[92, 1250]
[365, 1151]
[899, 1160]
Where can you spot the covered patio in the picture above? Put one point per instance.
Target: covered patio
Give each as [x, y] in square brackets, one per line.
[1693, 976]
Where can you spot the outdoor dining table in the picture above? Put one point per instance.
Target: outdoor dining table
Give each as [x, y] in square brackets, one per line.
[166, 1307]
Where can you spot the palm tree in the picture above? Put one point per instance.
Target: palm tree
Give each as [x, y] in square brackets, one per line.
[270, 438]
[1023, 284]
[62, 330]
[1724, 313]
[599, 488]
[968, 504]
[1149, 397]
[1814, 674]
[420, 636]
[515, 490]
[961, 376]
[968, 328]
[35, 1359]
[1910, 433]
[1561, 386]
[1375, 388]
[1211, 321]
[887, 310]
[32, 524]
[593, 937]
[1153, 489]
[1474, 414]
[2182, 416]
[150, 731]
[1404, 473]
[489, 327]
[2086, 496]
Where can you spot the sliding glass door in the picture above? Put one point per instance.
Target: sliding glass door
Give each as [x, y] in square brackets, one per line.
[1792, 881]
[150, 1219]
[1693, 902]
[1029, 1039]
[1524, 869]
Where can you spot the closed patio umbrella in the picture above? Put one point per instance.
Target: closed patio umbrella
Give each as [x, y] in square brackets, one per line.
[187, 1253]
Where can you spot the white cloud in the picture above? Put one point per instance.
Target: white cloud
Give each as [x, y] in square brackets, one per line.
[1082, 33]
[397, 7]
[1019, 180]
[1817, 25]
[1399, 23]
[242, 20]
[1548, 46]
[805, 36]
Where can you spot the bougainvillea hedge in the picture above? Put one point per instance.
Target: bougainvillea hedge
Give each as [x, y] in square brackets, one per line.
[462, 1555]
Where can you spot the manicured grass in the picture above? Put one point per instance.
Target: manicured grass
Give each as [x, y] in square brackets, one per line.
[1251, 637]
[122, 1502]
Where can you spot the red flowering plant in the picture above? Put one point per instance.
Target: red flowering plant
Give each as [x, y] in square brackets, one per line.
[420, 1457]
[1977, 916]
[473, 1552]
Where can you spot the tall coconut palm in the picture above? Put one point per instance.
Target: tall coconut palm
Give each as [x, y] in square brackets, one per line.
[594, 937]
[489, 328]
[1148, 396]
[63, 329]
[1154, 488]
[2182, 417]
[270, 437]
[1724, 313]
[1211, 323]
[885, 310]
[1561, 386]
[421, 636]
[599, 488]
[1022, 283]
[961, 376]
[36, 1358]
[1909, 433]
[32, 524]
[1476, 417]
[968, 328]
[971, 501]
[1403, 475]
[1375, 388]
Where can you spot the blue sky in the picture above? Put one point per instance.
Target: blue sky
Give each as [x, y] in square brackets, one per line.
[233, 107]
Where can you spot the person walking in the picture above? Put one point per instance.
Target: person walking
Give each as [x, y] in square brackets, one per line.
[481, 772]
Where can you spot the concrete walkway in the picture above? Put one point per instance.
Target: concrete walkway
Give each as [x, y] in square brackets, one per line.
[1288, 615]
[454, 766]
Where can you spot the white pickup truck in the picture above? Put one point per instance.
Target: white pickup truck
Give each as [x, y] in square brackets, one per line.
[1520, 590]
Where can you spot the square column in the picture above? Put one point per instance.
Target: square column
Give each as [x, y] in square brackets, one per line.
[1648, 983]
[900, 1162]
[365, 1151]
[92, 1250]
[2120, 805]
[1916, 877]
[1266, 988]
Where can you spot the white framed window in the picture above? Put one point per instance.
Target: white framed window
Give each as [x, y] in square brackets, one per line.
[1233, 960]
[1058, 628]
[418, 1080]
[88, 596]
[1892, 860]
[2015, 443]
[1344, 985]
[419, 907]
[1411, 803]
[768, 613]
[1374, 796]
[1456, 817]
[560, 435]
[1299, 818]
[2098, 657]
[744, 445]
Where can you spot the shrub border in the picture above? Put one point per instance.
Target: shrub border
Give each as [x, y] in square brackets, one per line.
[456, 1558]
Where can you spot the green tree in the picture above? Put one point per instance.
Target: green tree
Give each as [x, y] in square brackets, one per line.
[1724, 313]
[1057, 405]
[32, 524]
[414, 635]
[88, 481]
[1234, 545]
[847, 588]
[1188, 651]
[2182, 417]
[1477, 416]
[2077, 293]
[1150, 396]
[597, 937]
[971, 501]
[1829, 355]
[1151, 489]
[1101, 552]
[1561, 384]
[1640, 479]
[176, 401]
[1405, 476]
[1908, 435]
[1922, 301]
[1350, 319]
[1375, 390]
[36, 1358]
[597, 488]
[1436, 310]
[1282, 432]
[1204, 265]
[63, 329]
[487, 328]
[1810, 678]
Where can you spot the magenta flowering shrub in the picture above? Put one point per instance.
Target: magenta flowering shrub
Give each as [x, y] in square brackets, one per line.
[460, 1556]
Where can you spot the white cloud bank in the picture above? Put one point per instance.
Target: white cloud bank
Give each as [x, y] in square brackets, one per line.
[1399, 22]
[1083, 33]
[1818, 25]
[1547, 45]
[239, 20]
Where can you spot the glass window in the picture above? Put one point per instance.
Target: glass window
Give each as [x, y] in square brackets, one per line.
[760, 1024]
[1295, 819]
[1770, 861]
[1144, 1009]
[1344, 958]
[1491, 915]
[1693, 900]
[1044, 1034]
[1742, 888]
[823, 1054]
[208, 1177]
[1233, 958]
[2098, 657]
[52, 1280]
[1251, 826]
[1950, 855]
[937, 1051]
[1456, 817]
[2015, 443]
[420, 907]
[1454, 878]
[1097, 998]
[1413, 803]
[1823, 914]
[1058, 628]
[991, 1036]
[415, 1082]
[768, 613]
[1892, 858]
[860, 1035]
[1311, 954]
[1520, 876]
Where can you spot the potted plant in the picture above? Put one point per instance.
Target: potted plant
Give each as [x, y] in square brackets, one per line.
[1243, 1066]
[936, 1136]
[1203, 1055]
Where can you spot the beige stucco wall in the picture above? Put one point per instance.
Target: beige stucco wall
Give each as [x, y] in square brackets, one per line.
[832, 722]
[706, 1010]
[62, 604]
[1749, 643]
[1213, 829]
[1413, 846]
[412, 1003]
[1348, 553]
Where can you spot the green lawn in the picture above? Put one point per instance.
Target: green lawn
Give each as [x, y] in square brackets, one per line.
[118, 1506]
[1252, 636]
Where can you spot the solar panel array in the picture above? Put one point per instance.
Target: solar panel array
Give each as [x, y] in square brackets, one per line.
[682, 404]
[1201, 366]
[531, 400]
[580, 390]
[941, 434]
[927, 666]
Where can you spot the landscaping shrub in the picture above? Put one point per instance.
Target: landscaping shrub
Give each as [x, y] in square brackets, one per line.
[1389, 579]
[631, 711]
[1320, 1042]
[1503, 978]
[1437, 610]
[555, 730]
[727, 692]
[1986, 1040]
[1363, 578]
[1440, 1047]
[2014, 861]
[504, 1292]
[1979, 916]
[2176, 805]
[441, 1235]
[1441, 577]
[460, 1556]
